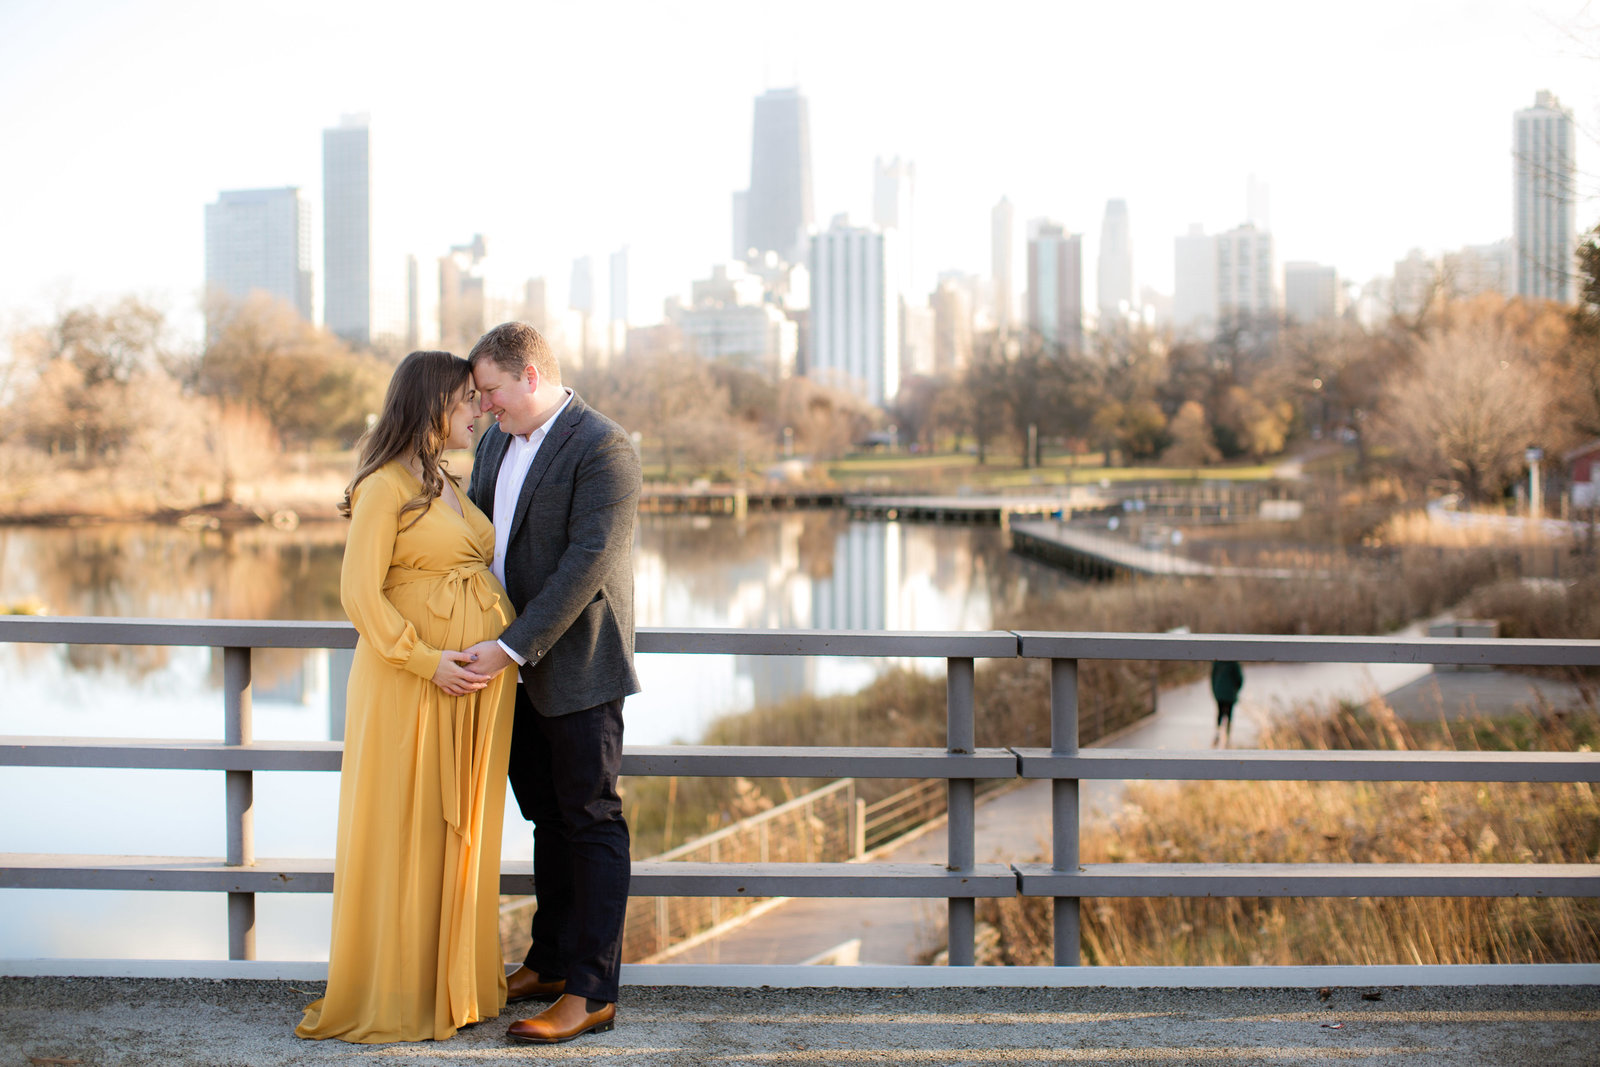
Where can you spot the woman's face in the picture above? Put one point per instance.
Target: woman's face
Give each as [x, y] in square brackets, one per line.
[463, 409]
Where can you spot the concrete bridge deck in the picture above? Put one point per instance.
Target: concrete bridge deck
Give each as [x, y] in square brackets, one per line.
[219, 1023]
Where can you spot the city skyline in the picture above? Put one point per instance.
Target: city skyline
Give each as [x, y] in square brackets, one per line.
[1354, 183]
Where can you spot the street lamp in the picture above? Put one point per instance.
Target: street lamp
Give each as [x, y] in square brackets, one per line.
[1533, 454]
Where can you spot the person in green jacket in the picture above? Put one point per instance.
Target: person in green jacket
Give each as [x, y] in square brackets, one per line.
[1227, 678]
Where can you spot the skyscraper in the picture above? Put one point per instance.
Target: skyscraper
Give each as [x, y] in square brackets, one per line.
[1115, 275]
[741, 224]
[952, 327]
[347, 230]
[1311, 292]
[1055, 285]
[462, 297]
[259, 240]
[1246, 286]
[1194, 289]
[1544, 233]
[778, 205]
[1002, 259]
[1479, 269]
[893, 200]
[855, 312]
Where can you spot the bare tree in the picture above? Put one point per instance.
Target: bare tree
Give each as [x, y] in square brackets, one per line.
[307, 383]
[1472, 401]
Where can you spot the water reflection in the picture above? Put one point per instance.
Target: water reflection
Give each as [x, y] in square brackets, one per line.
[801, 570]
[796, 570]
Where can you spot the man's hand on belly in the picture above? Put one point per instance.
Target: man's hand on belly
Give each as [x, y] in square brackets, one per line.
[488, 657]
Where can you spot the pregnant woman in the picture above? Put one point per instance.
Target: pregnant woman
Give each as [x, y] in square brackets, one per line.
[415, 951]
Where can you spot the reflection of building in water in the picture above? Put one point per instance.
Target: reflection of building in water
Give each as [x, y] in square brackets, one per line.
[862, 592]
[803, 571]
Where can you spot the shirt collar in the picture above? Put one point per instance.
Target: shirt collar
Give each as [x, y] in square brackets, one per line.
[538, 433]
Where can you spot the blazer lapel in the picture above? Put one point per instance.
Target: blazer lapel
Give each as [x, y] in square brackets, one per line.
[494, 450]
[554, 441]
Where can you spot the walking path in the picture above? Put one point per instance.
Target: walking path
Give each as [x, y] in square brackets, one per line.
[1015, 824]
[202, 1023]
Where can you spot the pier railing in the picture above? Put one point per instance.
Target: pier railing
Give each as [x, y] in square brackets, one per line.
[960, 764]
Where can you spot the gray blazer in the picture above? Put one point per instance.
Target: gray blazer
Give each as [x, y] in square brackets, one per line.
[569, 564]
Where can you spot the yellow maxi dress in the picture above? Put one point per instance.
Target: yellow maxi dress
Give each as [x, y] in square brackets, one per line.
[415, 951]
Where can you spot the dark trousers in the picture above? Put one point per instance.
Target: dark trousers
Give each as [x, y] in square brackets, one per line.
[564, 775]
[1224, 715]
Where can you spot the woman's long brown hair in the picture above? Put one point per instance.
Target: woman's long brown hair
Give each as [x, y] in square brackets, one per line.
[415, 422]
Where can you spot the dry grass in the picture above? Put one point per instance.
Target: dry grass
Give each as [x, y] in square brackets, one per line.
[1418, 527]
[907, 708]
[1337, 822]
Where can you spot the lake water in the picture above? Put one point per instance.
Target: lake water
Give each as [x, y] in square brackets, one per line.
[796, 570]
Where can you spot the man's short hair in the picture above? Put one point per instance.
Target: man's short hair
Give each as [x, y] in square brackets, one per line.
[513, 346]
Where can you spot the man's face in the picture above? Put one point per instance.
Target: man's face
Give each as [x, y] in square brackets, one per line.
[507, 396]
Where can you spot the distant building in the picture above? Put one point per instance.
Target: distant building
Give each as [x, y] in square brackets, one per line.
[729, 286]
[259, 240]
[1583, 470]
[1478, 269]
[952, 328]
[1002, 263]
[536, 305]
[729, 321]
[1545, 172]
[855, 312]
[421, 304]
[1375, 303]
[917, 338]
[1114, 278]
[347, 230]
[1311, 293]
[463, 296]
[894, 186]
[741, 224]
[778, 210]
[1194, 291]
[1246, 282]
[1055, 285]
[1417, 281]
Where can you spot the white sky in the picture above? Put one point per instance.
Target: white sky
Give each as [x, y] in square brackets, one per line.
[563, 129]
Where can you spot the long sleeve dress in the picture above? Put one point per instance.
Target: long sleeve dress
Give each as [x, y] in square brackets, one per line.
[415, 950]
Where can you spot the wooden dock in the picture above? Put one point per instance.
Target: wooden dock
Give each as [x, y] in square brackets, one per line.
[1094, 555]
[989, 509]
[729, 500]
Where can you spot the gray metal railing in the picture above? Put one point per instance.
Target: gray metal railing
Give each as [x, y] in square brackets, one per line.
[961, 764]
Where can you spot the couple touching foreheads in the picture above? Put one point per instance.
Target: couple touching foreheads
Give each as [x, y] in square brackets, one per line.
[496, 635]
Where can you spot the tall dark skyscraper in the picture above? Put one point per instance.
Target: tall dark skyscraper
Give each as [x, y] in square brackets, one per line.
[347, 230]
[778, 207]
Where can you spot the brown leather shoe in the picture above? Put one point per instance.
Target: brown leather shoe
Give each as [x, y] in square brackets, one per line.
[564, 1020]
[523, 984]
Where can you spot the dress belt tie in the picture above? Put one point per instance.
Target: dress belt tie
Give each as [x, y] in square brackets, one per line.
[462, 729]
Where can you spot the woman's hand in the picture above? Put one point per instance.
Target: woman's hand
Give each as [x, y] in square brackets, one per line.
[455, 678]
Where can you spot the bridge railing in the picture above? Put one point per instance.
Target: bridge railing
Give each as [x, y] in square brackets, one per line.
[959, 881]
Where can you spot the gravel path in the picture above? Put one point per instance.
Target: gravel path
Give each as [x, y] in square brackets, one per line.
[171, 1023]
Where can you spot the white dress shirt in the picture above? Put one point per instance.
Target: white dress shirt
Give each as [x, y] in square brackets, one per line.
[520, 453]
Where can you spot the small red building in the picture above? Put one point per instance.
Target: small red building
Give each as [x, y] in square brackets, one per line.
[1583, 467]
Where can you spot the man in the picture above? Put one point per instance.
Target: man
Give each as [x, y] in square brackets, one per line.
[561, 482]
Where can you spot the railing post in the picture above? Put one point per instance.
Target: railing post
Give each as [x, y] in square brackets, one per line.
[1064, 804]
[960, 829]
[241, 800]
